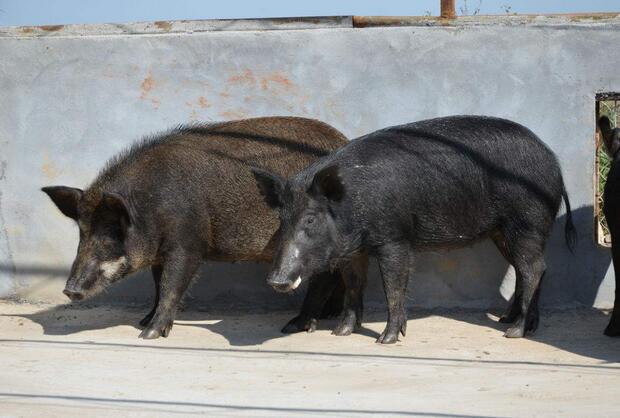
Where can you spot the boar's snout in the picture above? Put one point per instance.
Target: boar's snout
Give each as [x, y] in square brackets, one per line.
[282, 284]
[73, 294]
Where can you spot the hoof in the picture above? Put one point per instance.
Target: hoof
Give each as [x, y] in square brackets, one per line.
[150, 334]
[153, 332]
[343, 329]
[515, 332]
[347, 326]
[300, 325]
[388, 338]
[612, 330]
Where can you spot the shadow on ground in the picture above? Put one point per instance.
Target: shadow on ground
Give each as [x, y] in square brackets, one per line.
[577, 331]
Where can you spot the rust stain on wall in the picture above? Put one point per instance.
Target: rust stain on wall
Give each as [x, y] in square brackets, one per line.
[275, 83]
[246, 77]
[260, 87]
[203, 103]
[277, 79]
[147, 85]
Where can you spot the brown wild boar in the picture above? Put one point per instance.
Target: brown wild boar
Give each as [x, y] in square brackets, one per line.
[188, 195]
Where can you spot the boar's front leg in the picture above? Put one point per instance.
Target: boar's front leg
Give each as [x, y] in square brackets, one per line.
[354, 276]
[320, 289]
[157, 272]
[394, 264]
[178, 270]
[335, 302]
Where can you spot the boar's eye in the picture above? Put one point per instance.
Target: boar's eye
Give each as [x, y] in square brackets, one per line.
[310, 220]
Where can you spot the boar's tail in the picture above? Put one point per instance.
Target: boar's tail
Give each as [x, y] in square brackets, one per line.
[570, 233]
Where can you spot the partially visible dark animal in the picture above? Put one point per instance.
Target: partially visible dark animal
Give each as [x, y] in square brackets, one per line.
[611, 209]
[434, 184]
[188, 195]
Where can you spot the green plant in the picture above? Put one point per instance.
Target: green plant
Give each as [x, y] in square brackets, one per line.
[611, 109]
[603, 169]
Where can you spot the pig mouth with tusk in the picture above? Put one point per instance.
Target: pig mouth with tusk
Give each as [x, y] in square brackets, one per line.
[287, 286]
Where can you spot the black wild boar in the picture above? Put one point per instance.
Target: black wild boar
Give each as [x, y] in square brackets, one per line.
[611, 209]
[434, 184]
[188, 195]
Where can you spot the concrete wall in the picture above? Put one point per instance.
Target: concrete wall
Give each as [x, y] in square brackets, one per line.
[72, 97]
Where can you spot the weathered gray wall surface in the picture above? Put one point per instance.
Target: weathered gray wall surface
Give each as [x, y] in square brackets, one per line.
[73, 97]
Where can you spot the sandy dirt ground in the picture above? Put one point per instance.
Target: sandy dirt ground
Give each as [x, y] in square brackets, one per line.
[66, 361]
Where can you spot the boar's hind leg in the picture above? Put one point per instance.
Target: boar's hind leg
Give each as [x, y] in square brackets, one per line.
[319, 290]
[354, 277]
[514, 310]
[394, 264]
[529, 265]
[157, 272]
[178, 272]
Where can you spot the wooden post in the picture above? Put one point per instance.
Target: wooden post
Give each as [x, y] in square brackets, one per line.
[448, 9]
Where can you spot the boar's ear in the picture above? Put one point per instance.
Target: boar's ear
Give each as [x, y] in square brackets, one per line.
[328, 183]
[65, 198]
[270, 186]
[117, 207]
[611, 137]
